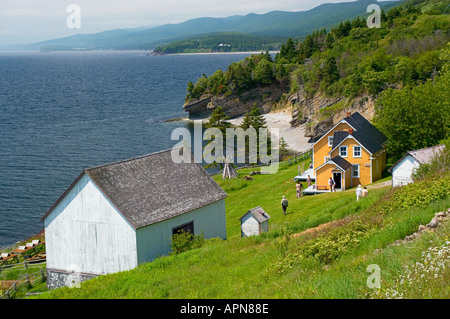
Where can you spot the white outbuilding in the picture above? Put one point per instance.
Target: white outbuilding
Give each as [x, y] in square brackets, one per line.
[403, 169]
[254, 222]
[117, 216]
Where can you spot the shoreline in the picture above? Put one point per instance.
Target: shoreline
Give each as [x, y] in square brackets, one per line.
[238, 52]
[294, 136]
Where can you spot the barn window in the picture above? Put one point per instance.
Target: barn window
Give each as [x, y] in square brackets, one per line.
[187, 228]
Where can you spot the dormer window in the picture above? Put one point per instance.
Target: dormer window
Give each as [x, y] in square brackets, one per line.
[330, 141]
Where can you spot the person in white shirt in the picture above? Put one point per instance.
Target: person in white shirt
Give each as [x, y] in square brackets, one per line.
[358, 192]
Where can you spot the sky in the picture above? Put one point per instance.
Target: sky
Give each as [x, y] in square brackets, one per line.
[29, 21]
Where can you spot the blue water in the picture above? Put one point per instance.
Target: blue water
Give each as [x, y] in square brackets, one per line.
[62, 112]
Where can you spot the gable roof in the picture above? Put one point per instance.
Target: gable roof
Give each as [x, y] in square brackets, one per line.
[423, 155]
[153, 188]
[259, 214]
[340, 162]
[365, 133]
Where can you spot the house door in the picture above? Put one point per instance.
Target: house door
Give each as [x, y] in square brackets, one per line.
[337, 177]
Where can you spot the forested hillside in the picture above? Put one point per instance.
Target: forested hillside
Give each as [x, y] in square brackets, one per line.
[222, 42]
[400, 66]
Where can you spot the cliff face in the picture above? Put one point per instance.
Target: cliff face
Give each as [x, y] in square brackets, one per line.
[234, 105]
[318, 113]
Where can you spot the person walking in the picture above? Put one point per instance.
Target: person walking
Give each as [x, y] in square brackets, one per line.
[364, 192]
[299, 189]
[284, 204]
[332, 184]
[308, 180]
[358, 192]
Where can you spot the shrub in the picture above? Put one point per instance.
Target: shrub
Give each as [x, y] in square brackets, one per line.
[184, 241]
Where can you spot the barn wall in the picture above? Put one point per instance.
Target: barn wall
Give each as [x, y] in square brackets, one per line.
[154, 240]
[86, 233]
[401, 174]
[249, 226]
[265, 226]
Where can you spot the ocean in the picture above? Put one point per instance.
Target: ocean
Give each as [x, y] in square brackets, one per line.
[61, 112]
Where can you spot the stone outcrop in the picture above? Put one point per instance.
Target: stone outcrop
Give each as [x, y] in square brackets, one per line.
[433, 224]
[318, 114]
[235, 105]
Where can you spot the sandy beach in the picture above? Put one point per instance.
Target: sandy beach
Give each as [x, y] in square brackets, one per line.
[294, 137]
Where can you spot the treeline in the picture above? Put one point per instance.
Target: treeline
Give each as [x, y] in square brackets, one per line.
[223, 42]
[352, 60]
[348, 60]
[239, 77]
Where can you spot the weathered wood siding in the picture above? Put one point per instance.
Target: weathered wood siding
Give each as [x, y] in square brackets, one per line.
[265, 226]
[86, 233]
[154, 240]
[249, 226]
[401, 174]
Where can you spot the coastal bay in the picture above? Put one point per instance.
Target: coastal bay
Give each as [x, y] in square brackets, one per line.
[62, 112]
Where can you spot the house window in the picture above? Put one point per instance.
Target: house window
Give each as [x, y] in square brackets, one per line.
[326, 159]
[187, 228]
[343, 151]
[356, 151]
[355, 170]
[330, 141]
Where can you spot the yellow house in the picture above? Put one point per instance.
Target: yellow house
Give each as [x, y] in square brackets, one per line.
[352, 152]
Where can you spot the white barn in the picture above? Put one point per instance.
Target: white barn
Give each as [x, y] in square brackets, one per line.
[117, 216]
[254, 222]
[403, 169]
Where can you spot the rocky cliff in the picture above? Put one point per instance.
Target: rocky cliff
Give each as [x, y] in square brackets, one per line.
[235, 105]
[318, 114]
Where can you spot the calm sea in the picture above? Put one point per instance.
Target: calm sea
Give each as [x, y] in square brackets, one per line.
[62, 112]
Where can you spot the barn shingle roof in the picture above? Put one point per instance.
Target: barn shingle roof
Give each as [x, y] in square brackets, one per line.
[153, 188]
[259, 213]
[423, 155]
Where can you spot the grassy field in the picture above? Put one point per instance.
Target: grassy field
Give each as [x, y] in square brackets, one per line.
[329, 262]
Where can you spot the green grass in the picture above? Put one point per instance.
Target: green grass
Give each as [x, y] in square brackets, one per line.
[328, 264]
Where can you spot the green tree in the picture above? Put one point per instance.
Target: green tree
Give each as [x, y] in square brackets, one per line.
[218, 118]
[330, 72]
[264, 72]
[415, 117]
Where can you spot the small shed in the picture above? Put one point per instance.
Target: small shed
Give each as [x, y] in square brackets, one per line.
[254, 222]
[403, 169]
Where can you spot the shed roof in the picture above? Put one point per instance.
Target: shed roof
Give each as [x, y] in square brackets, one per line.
[153, 188]
[423, 155]
[259, 214]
